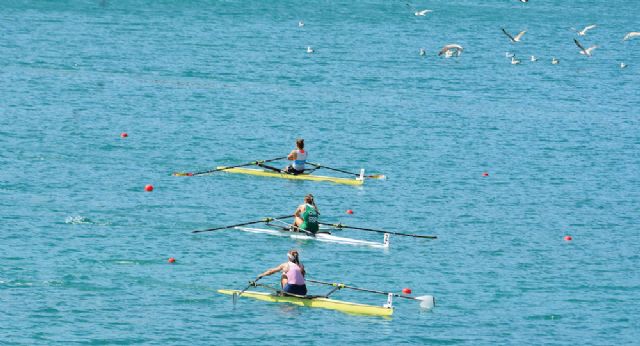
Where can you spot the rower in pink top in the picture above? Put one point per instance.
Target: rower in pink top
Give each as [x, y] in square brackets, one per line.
[292, 280]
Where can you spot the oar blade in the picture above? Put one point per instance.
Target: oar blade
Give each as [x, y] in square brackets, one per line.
[427, 302]
[234, 296]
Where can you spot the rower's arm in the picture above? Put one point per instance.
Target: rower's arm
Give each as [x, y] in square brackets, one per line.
[272, 270]
[298, 212]
[292, 155]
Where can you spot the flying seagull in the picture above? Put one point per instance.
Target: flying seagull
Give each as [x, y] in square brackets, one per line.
[631, 35]
[584, 31]
[512, 38]
[451, 49]
[584, 51]
[420, 13]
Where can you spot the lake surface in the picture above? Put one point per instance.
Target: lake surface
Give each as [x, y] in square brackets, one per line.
[195, 85]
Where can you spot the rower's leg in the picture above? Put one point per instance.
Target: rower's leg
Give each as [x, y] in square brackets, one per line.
[283, 281]
[297, 222]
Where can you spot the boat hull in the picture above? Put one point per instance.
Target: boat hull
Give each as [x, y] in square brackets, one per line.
[324, 237]
[317, 302]
[311, 177]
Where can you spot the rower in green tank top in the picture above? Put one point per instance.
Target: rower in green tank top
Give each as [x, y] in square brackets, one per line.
[306, 216]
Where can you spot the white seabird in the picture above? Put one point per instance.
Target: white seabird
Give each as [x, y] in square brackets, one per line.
[423, 12]
[584, 51]
[420, 13]
[422, 52]
[514, 60]
[451, 49]
[533, 58]
[584, 31]
[623, 65]
[516, 38]
[554, 61]
[301, 24]
[310, 50]
[631, 35]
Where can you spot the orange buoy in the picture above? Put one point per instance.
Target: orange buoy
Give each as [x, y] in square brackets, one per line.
[124, 135]
[406, 290]
[568, 238]
[349, 211]
[171, 260]
[148, 188]
[485, 174]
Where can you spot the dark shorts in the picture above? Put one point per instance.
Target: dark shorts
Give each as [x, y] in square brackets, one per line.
[291, 170]
[300, 290]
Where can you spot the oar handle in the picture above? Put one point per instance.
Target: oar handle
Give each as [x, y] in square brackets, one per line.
[266, 220]
[339, 226]
[251, 283]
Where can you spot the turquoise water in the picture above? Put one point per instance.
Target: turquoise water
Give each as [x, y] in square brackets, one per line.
[199, 84]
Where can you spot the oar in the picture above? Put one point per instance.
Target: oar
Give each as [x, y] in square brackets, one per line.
[266, 219]
[339, 225]
[373, 176]
[251, 283]
[187, 174]
[426, 302]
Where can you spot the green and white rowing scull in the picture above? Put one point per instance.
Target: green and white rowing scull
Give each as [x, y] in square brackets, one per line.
[284, 229]
[320, 236]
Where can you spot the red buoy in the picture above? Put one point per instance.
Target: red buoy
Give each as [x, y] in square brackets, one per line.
[406, 290]
[568, 238]
[148, 188]
[124, 135]
[349, 211]
[485, 174]
[171, 260]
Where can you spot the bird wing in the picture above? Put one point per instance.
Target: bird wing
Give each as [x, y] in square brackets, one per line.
[580, 46]
[590, 49]
[588, 27]
[423, 12]
[519, 35]
[411, 7]
[509, 36]
[450, 47]
[631, 35]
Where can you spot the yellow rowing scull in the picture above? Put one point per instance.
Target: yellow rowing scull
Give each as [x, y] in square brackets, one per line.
[316, 302]
[266, 173]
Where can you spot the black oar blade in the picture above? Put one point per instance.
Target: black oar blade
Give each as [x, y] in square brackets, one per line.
[235, 298]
